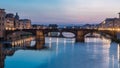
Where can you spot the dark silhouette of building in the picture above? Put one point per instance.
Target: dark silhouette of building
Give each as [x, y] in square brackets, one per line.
[53, 26]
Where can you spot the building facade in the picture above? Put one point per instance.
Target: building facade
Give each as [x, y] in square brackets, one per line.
[27, 24]
[2, 22]
[9, 21]
[110, 23]
[24, 24]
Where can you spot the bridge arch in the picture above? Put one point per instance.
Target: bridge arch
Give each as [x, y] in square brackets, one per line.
[59, 33]
[68, 34]
[81, 34]
[55, 34]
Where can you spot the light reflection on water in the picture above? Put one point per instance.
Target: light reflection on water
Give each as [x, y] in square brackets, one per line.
[65, 53]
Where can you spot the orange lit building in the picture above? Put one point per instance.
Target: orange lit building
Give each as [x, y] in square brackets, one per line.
[24, 24]
[9, 21]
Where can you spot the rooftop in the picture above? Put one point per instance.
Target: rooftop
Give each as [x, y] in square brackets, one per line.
[9, 15]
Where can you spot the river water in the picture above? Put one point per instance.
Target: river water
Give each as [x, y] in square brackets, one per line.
[65, 53]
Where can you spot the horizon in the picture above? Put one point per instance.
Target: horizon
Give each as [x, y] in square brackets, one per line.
[67, 24]
[63, 11]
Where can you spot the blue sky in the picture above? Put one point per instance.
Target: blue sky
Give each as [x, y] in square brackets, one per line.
[63, 11]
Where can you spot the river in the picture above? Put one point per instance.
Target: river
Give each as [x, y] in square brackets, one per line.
[65, 53]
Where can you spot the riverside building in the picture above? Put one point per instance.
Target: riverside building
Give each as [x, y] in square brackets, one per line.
[2, 23]
[110, 23]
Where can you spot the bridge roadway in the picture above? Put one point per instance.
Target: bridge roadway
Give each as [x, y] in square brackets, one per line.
[79, 33]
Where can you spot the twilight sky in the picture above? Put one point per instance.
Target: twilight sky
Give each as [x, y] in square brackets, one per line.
[63, 11]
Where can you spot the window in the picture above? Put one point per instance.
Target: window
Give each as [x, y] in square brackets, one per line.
[2, 18]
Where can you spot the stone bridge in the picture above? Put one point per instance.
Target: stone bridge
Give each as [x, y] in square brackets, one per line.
[60, 31]
[79, 33]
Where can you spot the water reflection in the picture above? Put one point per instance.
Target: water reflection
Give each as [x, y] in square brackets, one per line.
[107, 52]
[118, 52]
[55, 42]
[23, 44]
[26, 43]
[62, 53]
[2, 57]
[94, 53]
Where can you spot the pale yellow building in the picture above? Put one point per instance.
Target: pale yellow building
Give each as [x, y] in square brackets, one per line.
[21, 24]
[27, 23]
[9, 21]
[24, 24]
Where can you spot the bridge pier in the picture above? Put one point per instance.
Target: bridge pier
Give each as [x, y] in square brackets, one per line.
[40, 36]
[61, 35]
[80, 36]
[39, 44]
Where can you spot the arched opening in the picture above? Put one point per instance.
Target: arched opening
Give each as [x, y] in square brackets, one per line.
[97, 34]
[53, 34]
[92, 35]
[97, 38]
[68, 34]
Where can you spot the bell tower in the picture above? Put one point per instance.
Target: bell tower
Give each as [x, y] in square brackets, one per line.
[16, 22]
